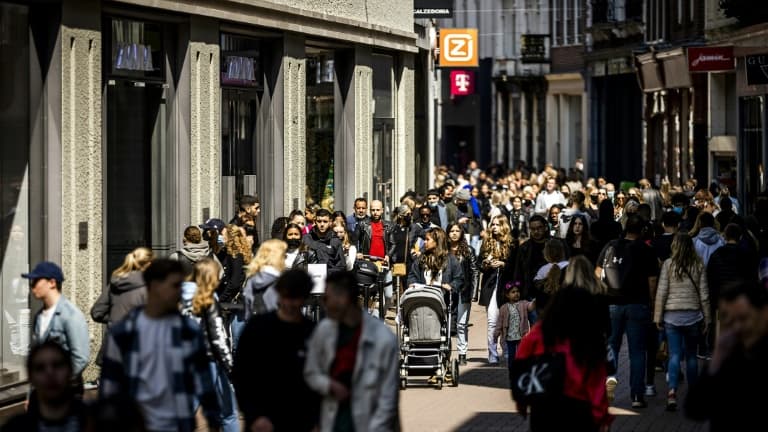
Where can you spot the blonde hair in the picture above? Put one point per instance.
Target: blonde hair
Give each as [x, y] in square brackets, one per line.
[498, 248]
[237, 243]
[206, 276]
[137, 260]
[344, 242]
[270, 253]
[581, 273]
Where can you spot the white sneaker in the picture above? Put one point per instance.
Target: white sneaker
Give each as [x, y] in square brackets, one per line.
[650, 390]
[610, 387]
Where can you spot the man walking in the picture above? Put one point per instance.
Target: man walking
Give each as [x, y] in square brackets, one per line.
[353, 362]
[325, 243]
[158, 358]
[59, 320]
[360, 215]
[373, 236]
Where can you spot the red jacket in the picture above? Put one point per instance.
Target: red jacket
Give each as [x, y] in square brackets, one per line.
[578, 384]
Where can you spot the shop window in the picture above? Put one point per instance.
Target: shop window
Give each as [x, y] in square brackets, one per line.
[753, 152]
[383, 129]
[14, 193]
[137, 49]
[320, 128]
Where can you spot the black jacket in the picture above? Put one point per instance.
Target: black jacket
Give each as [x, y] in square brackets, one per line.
[364, 232]
[495, 279]
[729, 266]
[216, 337]
[452, 274]
[234, 276]
[471, 272]
[329, 249]
[304, 258]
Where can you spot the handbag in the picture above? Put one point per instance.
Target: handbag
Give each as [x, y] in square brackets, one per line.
[537, 379]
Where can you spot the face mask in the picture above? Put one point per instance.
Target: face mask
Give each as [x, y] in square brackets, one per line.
[594, 199]
[463, 208]
[433, 205]
[678, 210]
[293, 243]
[447, 200]
[407, 220]
[610, 195]
[220, 240]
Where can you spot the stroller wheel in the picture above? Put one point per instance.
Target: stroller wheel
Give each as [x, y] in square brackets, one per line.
[455, 373]
[440, 383]
[403, 383]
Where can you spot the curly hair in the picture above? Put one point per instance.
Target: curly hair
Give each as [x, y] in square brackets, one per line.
[435, 260]
[237, 244]
[206, 276]
[500, 248]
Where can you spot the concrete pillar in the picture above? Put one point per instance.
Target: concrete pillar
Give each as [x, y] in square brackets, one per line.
[563, 158]
[205, 118]
[553, 131]
[405, 158]
[291, 95]
[81, 158]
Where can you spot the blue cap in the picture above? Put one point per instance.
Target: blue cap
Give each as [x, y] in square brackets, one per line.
[45, 270]
[216, 224]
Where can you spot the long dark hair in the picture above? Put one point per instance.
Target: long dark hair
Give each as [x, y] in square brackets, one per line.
[303, 247]
[586, 237]
[463, 249]
[436, 260]
[572, 315]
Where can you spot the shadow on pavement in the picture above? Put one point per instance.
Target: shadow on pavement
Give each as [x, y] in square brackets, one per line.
[485, 376]
[494, 421]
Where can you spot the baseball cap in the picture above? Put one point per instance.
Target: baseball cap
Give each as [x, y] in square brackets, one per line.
[45, 270]
[216, 224]
[462, 195]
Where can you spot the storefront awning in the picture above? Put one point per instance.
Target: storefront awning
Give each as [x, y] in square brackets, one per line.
[649, 73]
[675, 66]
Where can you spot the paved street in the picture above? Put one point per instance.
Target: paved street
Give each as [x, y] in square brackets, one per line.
[482, 401]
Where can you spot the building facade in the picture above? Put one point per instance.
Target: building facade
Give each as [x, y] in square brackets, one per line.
[127, 121]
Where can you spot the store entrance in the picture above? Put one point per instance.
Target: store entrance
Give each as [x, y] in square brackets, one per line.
[135, 131]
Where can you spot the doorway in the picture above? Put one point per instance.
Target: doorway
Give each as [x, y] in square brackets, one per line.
[135, 133]
[382, 164]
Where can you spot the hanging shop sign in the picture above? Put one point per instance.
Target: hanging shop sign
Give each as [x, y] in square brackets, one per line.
[757, 69]
[711, 59]
[458, 48]
[533, 48]
[433, 8]
[462, 83]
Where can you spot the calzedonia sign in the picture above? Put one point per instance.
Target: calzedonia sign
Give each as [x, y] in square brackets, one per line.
[711, 59]
[433, 8]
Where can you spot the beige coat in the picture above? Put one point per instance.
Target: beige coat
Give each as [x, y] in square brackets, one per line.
[678, 295]
[375, 386]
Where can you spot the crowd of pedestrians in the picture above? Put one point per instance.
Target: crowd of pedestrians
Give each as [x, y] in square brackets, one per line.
[562, 265]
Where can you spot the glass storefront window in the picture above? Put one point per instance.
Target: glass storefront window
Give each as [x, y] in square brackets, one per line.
[320, 128]
[383, 128]
[14, 193]
[241, 81]
[137, 49]
[753, 153]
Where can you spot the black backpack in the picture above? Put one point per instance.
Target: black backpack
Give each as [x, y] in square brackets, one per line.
[616, 264]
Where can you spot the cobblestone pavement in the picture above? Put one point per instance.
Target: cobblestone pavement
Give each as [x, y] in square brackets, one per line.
[482, 400]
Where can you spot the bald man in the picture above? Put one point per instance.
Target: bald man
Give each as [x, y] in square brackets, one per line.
[373, 237]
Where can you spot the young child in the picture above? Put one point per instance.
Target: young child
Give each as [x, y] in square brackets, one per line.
[513, 322]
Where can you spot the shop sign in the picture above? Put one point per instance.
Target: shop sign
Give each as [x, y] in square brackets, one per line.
[458, 48]
[462, 83]
[533, 48]
[757, 69]
[433, 8]
[710, 59]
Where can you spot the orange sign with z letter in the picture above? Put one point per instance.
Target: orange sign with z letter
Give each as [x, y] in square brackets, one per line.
[458, 48]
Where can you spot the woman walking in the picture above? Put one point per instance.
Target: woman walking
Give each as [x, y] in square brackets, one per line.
[682, 306]
[298, 255]
[350, 251]
[468, 261]
[436, 267]
[498, 253]
[262, 272]
[239, 254]
[205, 307]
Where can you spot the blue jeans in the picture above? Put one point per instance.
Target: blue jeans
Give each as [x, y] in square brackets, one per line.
[682, 344]
[225, 395]
[632, 319]
[236, 327]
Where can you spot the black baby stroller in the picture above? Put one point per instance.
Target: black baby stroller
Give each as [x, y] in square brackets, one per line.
[371, 273]
[425, 337]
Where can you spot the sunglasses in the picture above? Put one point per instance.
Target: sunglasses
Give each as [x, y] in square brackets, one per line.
[54, 365]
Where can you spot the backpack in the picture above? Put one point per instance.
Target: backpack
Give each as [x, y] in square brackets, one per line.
[616, 264]
[255, 304]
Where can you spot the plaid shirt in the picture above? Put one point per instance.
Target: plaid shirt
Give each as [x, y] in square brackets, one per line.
[191, 380]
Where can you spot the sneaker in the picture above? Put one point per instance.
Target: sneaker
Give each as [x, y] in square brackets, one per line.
[671, 401]
[639, 402]
[610, 387]
[650, 390]
[463, 359]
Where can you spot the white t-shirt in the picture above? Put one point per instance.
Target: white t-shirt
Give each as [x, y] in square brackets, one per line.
[290, 258]
[155, 392]
[544, 270]
[44, 321]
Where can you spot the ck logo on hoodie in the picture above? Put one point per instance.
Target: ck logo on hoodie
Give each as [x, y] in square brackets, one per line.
[529, 382]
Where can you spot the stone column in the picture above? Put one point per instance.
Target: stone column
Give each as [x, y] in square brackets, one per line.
[81, 159]
[405, 165]
[290, 97]
[204, 119]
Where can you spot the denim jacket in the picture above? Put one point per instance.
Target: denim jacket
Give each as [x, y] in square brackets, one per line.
[69, 328]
